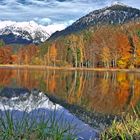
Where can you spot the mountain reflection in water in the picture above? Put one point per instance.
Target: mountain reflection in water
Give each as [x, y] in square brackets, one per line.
[37, 105]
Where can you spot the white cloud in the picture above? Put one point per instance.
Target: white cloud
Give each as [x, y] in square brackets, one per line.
[48, 12]
[43, 21]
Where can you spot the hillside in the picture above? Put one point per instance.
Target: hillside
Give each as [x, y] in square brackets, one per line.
[117, 13]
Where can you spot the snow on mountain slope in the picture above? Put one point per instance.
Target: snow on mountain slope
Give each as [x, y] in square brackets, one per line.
[28, 30]
[117, 13]
[118, 3]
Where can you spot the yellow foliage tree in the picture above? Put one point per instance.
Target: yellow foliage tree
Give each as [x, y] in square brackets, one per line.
[53, 54]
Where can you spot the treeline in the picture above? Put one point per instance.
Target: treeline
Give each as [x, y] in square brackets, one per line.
[106, 46]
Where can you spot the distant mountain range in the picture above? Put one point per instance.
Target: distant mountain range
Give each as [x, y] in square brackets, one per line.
[24, 32]
[117, 13]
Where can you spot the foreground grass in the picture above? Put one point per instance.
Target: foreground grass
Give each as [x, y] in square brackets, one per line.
[126, 129]
[28, 128]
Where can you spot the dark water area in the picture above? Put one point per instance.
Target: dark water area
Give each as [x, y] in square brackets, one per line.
[94, 97]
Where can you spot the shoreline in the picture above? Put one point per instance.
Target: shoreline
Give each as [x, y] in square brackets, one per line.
[42, 67]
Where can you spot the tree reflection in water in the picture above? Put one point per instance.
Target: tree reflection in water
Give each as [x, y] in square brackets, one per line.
[103, 92]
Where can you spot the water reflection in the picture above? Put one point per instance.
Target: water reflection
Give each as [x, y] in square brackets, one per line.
[103, 92]
[35, 106]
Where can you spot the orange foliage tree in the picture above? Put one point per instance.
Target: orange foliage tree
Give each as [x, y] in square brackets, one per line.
[5, 55]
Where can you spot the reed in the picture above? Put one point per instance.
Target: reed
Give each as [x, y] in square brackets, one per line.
[128, 128]
[30, 128]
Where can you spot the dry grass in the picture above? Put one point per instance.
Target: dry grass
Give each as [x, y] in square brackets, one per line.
[126, 129]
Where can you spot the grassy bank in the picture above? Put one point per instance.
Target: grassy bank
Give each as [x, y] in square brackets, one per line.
[30, 128]
[126, 129]
[68, 68]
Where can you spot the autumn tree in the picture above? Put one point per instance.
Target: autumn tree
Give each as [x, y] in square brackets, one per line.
[14, 59]
[44, 52]
[5, 55]
[101, 39]
[53, 54]
[105, 56]
[136, 40]
[28, 54]
[2, 43]
[72, 44]
[123, 50]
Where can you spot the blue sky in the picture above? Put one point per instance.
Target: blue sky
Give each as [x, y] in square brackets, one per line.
[53, 11]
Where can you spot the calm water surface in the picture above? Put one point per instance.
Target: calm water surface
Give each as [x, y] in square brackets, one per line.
[94, 97]
[102, 92]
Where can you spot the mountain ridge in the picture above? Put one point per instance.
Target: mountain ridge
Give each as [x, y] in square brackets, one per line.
[117, 13]
[24, 32]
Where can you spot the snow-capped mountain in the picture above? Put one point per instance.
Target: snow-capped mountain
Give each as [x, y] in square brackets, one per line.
[25, 32]
[117, 13]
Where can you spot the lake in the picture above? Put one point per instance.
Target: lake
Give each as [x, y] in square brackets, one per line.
[94, 97]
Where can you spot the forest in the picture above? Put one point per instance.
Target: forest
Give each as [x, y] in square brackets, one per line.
[106, 46]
